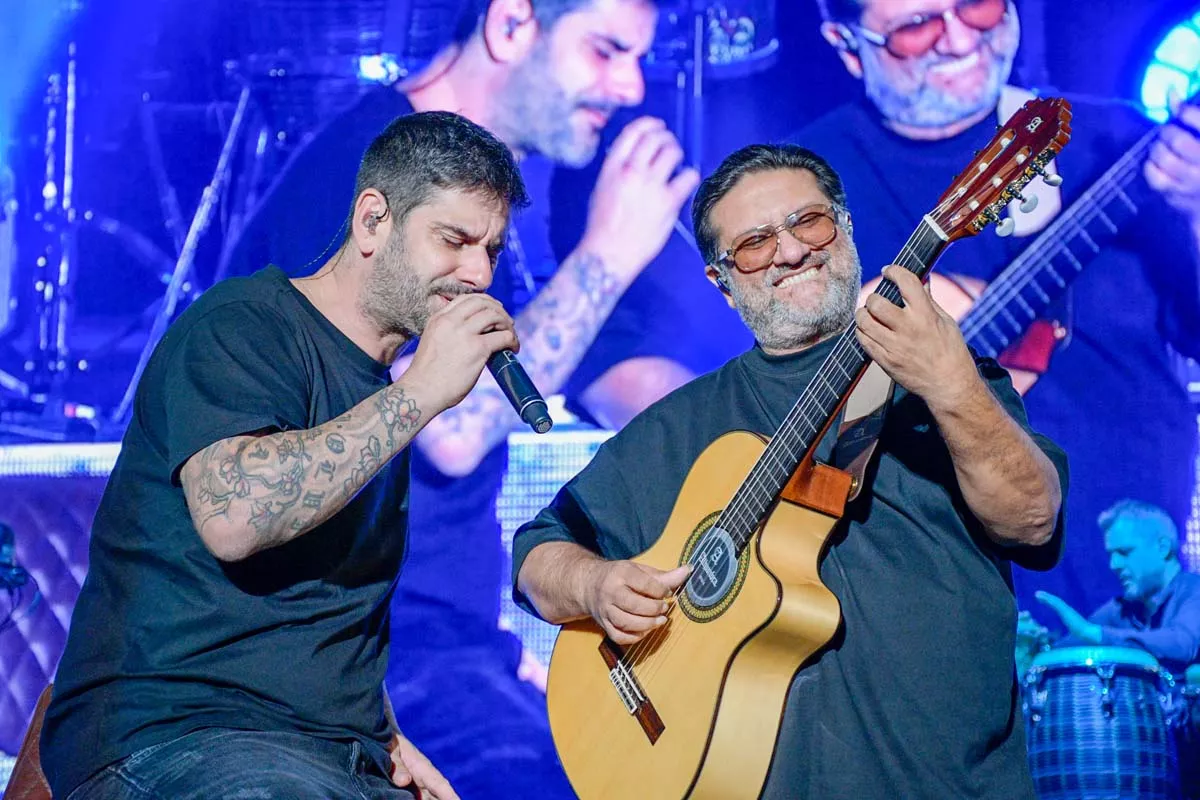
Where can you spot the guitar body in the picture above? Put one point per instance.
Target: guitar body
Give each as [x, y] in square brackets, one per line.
[718, 685]
[693, 710]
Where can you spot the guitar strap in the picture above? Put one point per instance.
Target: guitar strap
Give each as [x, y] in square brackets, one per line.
[866, 408]
[862, 422]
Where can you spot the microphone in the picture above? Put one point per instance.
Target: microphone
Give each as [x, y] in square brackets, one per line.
[514, 382]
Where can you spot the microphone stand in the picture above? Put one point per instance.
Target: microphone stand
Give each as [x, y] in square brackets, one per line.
[187, 255]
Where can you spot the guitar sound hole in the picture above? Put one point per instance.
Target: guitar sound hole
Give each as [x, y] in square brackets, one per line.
[715, 568]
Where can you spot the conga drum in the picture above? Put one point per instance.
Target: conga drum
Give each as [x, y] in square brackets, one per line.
[1189, 735]
[1097, 725]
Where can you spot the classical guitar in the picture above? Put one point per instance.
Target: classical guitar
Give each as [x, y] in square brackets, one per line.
[1002, 318]
[694, 709]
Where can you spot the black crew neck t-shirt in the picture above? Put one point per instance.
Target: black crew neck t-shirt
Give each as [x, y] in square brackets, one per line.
[916, 695]
[165, 638]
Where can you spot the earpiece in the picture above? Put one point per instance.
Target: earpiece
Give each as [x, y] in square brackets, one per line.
[722, 284]
[372, 221]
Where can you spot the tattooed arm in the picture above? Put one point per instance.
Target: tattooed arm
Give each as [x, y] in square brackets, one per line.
[556, 329]
[253, 492]
[633, 208]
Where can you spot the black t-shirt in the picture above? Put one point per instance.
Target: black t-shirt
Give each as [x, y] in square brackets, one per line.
[449, 592]
[1111, 397]
[916, 697]
[166, 639]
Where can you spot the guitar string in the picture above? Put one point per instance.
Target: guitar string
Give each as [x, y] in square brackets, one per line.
[651, 663]
[1012, 282]
[645, 650]
[923, 235]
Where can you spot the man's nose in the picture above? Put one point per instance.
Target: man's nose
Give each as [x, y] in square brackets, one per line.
[789, 249]
[958, 39]
[627, 84]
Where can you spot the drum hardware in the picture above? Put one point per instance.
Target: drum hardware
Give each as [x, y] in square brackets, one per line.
[187, 255]
[713, 39]
[1101, 722]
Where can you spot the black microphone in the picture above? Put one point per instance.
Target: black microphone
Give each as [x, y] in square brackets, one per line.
[514, 382]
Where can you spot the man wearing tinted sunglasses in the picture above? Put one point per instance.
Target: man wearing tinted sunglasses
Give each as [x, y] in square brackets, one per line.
[935, 75]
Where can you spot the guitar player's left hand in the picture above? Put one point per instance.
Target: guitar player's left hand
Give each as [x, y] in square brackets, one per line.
[1173, 167]
[919, 345]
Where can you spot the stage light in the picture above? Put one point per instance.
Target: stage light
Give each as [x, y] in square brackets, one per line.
[378, 69]
[1175, 66]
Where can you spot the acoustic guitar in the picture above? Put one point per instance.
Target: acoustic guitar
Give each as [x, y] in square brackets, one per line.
[1003, 318]
[693, 710]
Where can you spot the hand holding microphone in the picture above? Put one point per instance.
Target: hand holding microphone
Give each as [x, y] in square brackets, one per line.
[470, 331]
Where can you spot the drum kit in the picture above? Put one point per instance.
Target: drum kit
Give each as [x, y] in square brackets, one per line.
[1110, 722]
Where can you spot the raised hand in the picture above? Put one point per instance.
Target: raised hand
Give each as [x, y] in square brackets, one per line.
[1075, 623]
[455, 346]
[1173, 168]
[629, 600]
[636, 201]
[919, 345]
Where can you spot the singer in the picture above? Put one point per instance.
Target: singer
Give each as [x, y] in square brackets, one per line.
[263, 487]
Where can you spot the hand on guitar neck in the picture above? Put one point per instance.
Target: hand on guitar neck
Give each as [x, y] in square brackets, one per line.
[1026, 360]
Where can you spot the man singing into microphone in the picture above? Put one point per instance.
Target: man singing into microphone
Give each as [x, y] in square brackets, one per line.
[231, 637]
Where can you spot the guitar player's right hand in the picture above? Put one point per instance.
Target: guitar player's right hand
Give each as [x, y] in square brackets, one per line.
[630, 600]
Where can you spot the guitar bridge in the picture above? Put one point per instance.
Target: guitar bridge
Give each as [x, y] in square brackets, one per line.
[630, 690]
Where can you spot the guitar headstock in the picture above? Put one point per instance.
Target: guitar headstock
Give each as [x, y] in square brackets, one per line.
[1017, 154]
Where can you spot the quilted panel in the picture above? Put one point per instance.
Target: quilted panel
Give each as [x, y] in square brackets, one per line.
[51, 517]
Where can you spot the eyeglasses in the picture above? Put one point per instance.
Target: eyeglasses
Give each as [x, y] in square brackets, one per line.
[922, 31]
[815, 226]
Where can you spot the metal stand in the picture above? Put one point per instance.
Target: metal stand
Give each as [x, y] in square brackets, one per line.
[57, 218]
[187, 256]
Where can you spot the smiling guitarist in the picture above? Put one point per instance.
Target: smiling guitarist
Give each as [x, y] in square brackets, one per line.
[934, 74]
[673, 682]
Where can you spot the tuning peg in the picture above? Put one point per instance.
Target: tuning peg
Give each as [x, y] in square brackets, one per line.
[1050, 179]
[1028, 204]
[1005, 227]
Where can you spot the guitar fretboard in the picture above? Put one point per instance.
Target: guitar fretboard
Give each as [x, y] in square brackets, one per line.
[1040, 275]
[810, 416]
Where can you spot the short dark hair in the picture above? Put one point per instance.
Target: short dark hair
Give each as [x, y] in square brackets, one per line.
[546, 12]
[419, 152]
[842, 11]
[747, 161]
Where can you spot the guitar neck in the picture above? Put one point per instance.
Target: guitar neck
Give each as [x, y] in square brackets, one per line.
[1040, 275]
[804, 426]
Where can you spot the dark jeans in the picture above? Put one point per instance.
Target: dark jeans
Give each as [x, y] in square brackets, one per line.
[218, 764]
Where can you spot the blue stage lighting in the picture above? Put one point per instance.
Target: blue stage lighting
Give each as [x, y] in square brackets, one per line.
[1175, 65]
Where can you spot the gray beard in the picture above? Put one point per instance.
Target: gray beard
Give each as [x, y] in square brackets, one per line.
[778, 326]
[532, 112]
[925, 106]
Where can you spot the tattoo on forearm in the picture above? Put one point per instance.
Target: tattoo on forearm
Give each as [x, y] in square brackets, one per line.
[556, 329]
[289, 482]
